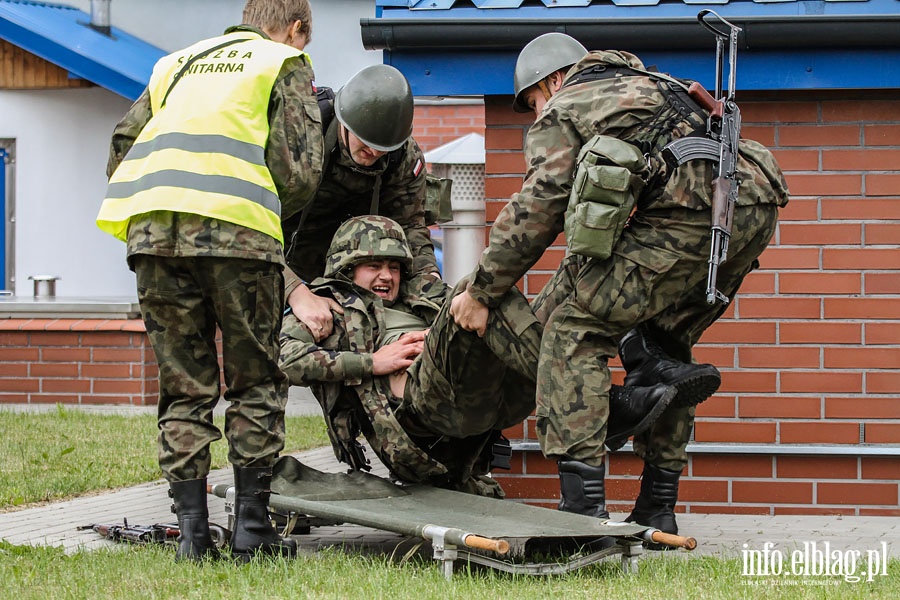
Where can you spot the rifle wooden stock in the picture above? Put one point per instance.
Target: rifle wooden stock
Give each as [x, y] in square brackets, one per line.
[715, 107]
[722, 211]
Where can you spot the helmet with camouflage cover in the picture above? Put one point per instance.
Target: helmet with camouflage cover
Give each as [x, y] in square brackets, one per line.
[542, 56]
[376, 106]
[366, 238]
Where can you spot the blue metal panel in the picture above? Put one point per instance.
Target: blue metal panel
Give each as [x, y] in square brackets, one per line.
[60, 34]
[457, 73]
[561, 3]
[490, 73]
[430, 4]
[497, 3]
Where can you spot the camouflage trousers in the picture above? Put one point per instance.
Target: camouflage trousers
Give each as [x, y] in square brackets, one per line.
[182, 301]
[657, 276]
[464, 385]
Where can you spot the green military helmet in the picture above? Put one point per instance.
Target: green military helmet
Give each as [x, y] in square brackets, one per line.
[366, 238]
[376, 105]
[542, 56]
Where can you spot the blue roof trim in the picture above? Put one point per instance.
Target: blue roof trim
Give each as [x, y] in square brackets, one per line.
[439, 5]
[61, 35]
[628, 9]
[439, 66]
[490, 73]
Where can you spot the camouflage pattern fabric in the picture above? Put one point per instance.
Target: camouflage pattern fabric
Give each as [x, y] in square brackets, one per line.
[370, 237]
[346, 191]
[338, 370]
[171, 234]
[621, 107]
[182, 301]
[657, 274]
[464, 385]
[459, 391]
[658, 267]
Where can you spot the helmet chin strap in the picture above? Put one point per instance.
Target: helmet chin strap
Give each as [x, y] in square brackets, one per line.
[542, 85]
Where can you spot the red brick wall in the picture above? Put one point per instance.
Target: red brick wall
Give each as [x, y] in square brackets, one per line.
[810, 349]
[91, 361]
[436, 125]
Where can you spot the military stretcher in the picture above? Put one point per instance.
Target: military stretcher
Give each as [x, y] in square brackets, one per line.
[499, 534]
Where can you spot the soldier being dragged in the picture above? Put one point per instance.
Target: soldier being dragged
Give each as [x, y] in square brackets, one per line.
[430, 397]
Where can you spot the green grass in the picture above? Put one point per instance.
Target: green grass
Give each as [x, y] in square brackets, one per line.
[67, 452]
[150, 573]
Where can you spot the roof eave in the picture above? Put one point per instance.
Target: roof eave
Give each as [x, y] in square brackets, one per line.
[636, 34]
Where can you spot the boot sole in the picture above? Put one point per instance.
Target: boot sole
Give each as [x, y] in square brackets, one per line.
[694, 390]
[616, 442]
[691, 390]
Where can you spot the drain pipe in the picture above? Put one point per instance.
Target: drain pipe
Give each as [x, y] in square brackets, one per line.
[100, 16]
[462, 160]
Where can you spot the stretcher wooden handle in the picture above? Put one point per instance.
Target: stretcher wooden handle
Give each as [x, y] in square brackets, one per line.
[670, 539]
[483, 543]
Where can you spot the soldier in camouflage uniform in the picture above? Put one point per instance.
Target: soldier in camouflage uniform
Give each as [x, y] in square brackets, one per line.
[432, 405]
[206, 250]
[650, 288]
[372, 166]
[429, 405]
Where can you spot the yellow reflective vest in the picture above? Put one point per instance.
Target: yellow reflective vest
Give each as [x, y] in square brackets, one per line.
[203, 150]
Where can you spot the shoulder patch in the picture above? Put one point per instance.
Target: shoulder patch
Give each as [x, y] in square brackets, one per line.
[417, 168]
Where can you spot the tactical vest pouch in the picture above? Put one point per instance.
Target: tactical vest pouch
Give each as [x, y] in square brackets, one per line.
[437, 200]
[610, 176]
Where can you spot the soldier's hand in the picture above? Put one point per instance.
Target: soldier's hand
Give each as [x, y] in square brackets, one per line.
[397, 355]
[414, 336]
[314, 311]
[469, 313]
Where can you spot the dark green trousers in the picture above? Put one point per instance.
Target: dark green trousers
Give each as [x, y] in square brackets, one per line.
[183, 302]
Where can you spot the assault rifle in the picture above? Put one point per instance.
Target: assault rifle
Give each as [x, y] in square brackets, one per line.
[724, 132]
[724, 126]
[159, 533]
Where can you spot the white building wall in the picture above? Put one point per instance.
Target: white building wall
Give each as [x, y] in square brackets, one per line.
[336, 47]
[62, 139]
[61, 144]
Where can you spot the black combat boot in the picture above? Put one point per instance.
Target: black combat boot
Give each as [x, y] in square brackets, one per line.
[647, 363]
[253, 530]
[582, 488]
[194, 541]
[655, 505]
[632, 410]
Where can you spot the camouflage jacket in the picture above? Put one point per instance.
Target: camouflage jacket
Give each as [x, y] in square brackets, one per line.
[338, 370]
[346, 191]
[632, 108]
[293, 156]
